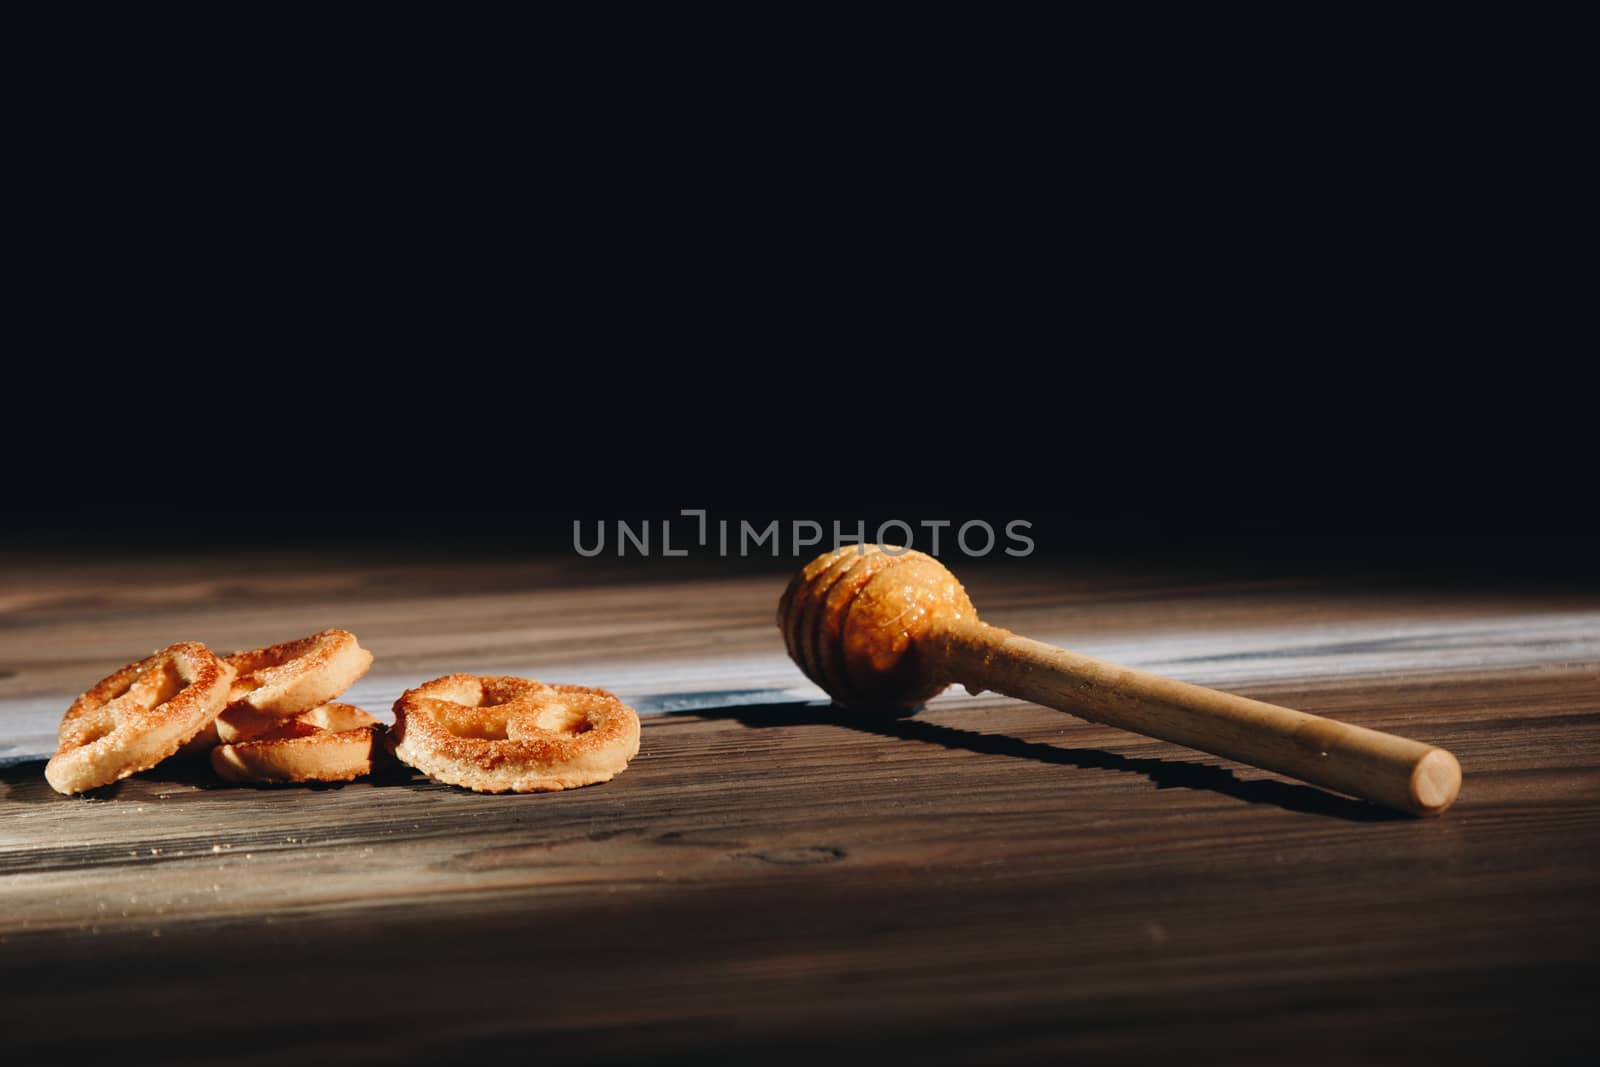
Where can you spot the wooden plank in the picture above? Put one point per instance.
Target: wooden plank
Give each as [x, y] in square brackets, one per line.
[987, 880]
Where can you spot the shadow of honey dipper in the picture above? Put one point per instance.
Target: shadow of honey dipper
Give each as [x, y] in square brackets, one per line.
[882, 627]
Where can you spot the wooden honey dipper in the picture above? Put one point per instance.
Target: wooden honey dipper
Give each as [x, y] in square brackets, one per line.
[882, 627]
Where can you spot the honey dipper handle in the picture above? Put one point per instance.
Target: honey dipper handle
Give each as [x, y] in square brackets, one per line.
[1375, 766]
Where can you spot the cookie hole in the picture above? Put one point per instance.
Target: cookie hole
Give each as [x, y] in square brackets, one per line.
[146, 690]
[469, 720]
[88, 733]
[160, 684]
[562, 720]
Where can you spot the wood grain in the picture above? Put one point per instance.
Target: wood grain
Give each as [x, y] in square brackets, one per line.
[987, 880]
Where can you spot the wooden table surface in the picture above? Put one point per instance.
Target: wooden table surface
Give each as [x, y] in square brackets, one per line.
[772, 876]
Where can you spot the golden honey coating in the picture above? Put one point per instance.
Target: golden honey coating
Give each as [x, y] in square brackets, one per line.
[852, 620]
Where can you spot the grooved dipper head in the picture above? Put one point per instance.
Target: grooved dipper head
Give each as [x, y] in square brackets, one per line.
[852, 619]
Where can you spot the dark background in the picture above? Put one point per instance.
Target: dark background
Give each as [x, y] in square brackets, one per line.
[1489, 519]
[1295, 307]
[1237, 291]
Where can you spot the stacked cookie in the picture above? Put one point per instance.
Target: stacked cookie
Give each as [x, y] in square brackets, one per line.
[265, 715]
[280, 725]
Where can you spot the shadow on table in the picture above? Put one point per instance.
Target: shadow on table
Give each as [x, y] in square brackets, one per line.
[1164, 773]
[24, 783]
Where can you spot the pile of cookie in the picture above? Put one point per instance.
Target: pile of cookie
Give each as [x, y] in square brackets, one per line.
[268, 717]
[265, 716]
